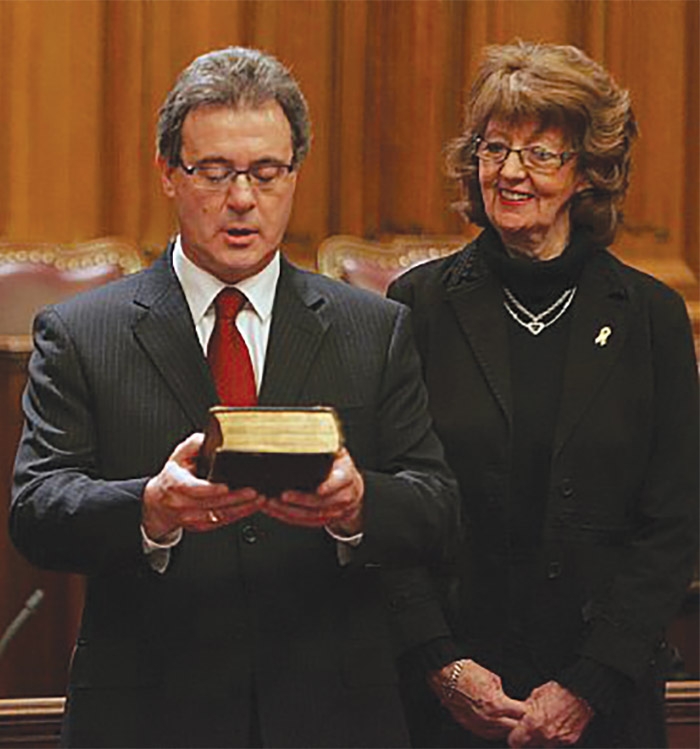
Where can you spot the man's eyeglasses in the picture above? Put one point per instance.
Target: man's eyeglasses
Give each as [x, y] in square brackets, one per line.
[534, 158]
[218, 177]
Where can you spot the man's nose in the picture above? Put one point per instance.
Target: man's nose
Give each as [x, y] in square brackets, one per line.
[240, 195]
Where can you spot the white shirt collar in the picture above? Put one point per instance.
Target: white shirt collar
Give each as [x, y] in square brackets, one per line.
[201, 287]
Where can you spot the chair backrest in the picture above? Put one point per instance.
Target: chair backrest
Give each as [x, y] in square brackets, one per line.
[33, 275]
[374, 265]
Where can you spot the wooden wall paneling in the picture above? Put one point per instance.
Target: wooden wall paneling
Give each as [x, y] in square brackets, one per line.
[691, 185]
[125, 148]
[651, 63]
[468, 36]
[170, 45]
[54, 111]
[19, 115]
[369, 183]
[531, 20]
[6, 64]
[476, 34]
[455, 76]
[300, 33]
[415, 54]
[348, 146]
[228, 24]
[84, 186]
[593, 28]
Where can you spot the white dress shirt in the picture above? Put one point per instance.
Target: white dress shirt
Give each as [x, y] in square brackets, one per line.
[253, 322]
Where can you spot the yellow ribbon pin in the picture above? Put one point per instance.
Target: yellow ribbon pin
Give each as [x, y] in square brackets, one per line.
[603, 335]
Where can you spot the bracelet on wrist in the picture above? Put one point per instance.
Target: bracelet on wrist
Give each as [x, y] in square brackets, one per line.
[450, 685]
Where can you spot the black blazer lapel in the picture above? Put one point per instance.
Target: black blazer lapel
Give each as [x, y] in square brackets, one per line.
[165, 330]
[295, 336]
[599, 327]
[477, 304]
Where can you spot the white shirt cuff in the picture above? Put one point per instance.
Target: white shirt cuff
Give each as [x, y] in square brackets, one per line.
[345, 545]
[158, 552]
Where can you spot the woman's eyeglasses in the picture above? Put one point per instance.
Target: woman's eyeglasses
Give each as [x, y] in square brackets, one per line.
[534, 158]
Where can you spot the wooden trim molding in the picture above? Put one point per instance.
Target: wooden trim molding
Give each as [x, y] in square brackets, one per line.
[16, 345]
[683, 702]
[31, 722]
[683, 714]
[36, 721]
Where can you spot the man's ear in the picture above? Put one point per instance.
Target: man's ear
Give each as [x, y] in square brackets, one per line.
[166, 176]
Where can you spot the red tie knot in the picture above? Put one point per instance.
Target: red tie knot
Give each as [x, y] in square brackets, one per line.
[228, 302]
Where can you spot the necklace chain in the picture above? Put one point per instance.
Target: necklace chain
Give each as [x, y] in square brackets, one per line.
[535, 324]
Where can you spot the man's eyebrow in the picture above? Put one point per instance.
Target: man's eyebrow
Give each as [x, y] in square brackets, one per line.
[221, 160]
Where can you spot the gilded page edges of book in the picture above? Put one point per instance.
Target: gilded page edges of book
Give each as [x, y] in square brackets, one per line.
[270, 448]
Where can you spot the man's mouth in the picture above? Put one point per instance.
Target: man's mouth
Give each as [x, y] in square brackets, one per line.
[240, 231]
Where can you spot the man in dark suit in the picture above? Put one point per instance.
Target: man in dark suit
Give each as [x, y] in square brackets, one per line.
[217, 617]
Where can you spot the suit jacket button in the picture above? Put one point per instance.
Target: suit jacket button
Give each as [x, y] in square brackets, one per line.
[566, 488]
[249, 533]
[553, 570]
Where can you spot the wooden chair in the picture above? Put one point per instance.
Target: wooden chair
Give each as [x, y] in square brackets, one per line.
[373, 264]
[33, 275]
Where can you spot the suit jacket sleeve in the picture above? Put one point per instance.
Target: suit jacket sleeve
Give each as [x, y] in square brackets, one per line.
[421, 629]
[63, 515]
[410, 504]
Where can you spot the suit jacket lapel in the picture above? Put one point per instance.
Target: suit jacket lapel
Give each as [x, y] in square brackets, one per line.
[298, 327]
[165, 330]
[599, 327]
[477, 302]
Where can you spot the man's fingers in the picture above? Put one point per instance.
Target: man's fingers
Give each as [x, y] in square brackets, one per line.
[315, 504]
[518, 737]
[509, 723]
[203, 519]
[311, 517]
[188, 449]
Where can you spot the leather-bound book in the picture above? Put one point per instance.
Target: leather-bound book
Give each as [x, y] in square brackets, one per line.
[270, 449]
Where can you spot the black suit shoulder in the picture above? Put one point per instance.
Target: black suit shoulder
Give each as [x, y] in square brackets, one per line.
[434, 276]
[646, 286]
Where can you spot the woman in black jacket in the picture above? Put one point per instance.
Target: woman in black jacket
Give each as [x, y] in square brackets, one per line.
[563, 385]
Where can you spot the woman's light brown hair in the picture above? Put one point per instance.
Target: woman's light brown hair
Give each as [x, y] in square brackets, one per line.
[556, 85]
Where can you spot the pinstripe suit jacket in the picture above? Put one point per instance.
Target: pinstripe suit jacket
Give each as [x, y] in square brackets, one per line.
[258, 615]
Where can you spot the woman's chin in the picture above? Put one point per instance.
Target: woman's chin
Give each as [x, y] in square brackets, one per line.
[518, 235]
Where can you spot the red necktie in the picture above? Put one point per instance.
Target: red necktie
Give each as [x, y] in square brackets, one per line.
[228, 355]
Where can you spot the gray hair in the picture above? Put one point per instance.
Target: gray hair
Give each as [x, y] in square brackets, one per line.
[234, 77]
